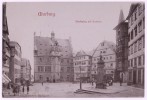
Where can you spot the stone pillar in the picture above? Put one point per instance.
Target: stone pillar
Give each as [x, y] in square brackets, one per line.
[100, 74]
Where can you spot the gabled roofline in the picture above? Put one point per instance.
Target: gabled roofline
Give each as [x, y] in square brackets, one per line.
[132, 8]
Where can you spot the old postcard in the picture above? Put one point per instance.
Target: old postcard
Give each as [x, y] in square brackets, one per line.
[73, 49]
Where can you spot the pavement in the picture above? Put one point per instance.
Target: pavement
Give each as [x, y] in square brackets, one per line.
[68, 90]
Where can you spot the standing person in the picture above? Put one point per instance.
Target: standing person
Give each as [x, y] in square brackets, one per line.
[23, 89]
[42, 83]
[14, 90]
[27, 89]
[121, 78]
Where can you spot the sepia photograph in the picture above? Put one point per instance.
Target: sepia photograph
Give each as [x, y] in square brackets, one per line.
[73, 49]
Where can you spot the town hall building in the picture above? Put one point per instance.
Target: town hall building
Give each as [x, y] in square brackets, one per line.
[52, 59]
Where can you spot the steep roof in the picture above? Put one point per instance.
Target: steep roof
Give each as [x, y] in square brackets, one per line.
[81, 53]
[107, 44]
[44, 46]
[132, 8]
[121, 19]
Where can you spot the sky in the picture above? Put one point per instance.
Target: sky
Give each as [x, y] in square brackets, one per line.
[87, 24]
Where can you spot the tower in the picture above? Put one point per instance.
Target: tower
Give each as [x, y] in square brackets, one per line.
[56, 60]
[121, 47]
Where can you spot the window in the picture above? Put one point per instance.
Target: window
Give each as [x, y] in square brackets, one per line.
[47, 68]
[132, 19]
[135, 47]
[140, 26]
[40, 59]
[143, 59]
[35, 52]
[131, 34]
[131, 49]
[139, 44]
[143, 23]
[135, 15]
[143, 43]
[118, 33]
[39, 68]
[110, 57]
[135, 30]
[42, 68]
[40, 77]
[135, 62]
[139, 61]
[131, 62]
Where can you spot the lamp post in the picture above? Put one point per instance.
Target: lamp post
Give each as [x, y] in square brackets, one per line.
[80, 78]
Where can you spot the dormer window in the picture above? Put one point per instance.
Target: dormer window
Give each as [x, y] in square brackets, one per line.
[35, 52]
[40, 59]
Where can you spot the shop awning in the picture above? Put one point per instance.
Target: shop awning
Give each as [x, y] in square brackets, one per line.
[5, 79]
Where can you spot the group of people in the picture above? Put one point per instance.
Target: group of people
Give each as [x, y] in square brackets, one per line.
[106, 80]
[17, 89]
[23, 89]
[109, 80]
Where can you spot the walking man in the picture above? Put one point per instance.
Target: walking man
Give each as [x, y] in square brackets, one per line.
[23, 89]
[121, 78]
[14, 90]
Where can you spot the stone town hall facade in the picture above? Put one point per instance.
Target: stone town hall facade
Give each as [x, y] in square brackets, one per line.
[52, 59]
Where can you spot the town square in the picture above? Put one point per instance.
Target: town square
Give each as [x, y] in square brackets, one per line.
[73, 49]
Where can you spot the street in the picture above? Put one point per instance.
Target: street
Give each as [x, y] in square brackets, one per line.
[66, 90]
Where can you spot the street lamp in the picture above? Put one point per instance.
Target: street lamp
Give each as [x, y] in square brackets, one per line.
[80, 79]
